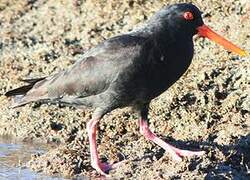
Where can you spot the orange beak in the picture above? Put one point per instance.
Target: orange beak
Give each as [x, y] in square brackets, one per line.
[205, 31]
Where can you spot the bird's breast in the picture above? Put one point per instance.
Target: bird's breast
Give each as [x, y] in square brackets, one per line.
[167, 67]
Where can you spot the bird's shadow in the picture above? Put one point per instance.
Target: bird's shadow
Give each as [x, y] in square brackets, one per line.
[221, 160]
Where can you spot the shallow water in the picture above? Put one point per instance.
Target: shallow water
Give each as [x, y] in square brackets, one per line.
[13, 157]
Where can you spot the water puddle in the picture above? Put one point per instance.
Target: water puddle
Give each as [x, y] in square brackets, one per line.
[14, 156]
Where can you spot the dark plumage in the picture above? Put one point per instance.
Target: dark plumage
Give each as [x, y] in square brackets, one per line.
[24, 89]
[127, 70]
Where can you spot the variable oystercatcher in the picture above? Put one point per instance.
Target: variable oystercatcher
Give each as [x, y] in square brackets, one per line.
[127, 70]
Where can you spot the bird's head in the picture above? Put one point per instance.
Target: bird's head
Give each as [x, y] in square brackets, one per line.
[185, 20]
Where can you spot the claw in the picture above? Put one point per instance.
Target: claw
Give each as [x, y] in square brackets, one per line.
[104, 168]
[185, 153]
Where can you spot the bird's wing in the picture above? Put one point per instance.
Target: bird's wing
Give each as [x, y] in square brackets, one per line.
[92, 74]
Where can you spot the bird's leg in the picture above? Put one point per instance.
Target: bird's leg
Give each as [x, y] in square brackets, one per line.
[174, 152]
[102, 168]
[95, 162]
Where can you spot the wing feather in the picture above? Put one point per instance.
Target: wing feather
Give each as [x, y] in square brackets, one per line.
[91, 75]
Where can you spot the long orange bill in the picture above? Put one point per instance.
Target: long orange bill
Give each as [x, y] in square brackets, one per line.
[205, 31]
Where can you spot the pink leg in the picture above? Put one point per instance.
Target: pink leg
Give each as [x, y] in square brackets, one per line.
[95, 162]
[174, 152]
[102, 168]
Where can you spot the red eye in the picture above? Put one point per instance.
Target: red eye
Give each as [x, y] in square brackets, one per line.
[188, 15]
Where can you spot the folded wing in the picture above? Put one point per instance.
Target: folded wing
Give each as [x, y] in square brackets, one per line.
[91, 75]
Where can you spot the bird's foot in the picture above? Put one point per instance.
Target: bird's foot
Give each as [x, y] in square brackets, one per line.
[177, 154]
[104, 168]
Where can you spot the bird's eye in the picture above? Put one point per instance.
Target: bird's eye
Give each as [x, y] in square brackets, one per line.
[188, 16]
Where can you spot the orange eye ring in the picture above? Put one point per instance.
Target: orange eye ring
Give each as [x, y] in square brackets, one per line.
[188, 15]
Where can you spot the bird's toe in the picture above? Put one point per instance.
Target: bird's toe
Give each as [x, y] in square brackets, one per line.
[187, 153]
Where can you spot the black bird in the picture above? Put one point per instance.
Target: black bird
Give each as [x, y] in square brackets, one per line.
[127, 70]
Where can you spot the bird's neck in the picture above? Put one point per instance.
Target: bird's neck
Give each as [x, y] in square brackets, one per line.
[162, 32]
[148, 29]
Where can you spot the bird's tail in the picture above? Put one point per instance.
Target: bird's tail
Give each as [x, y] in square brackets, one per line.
[22, 94]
